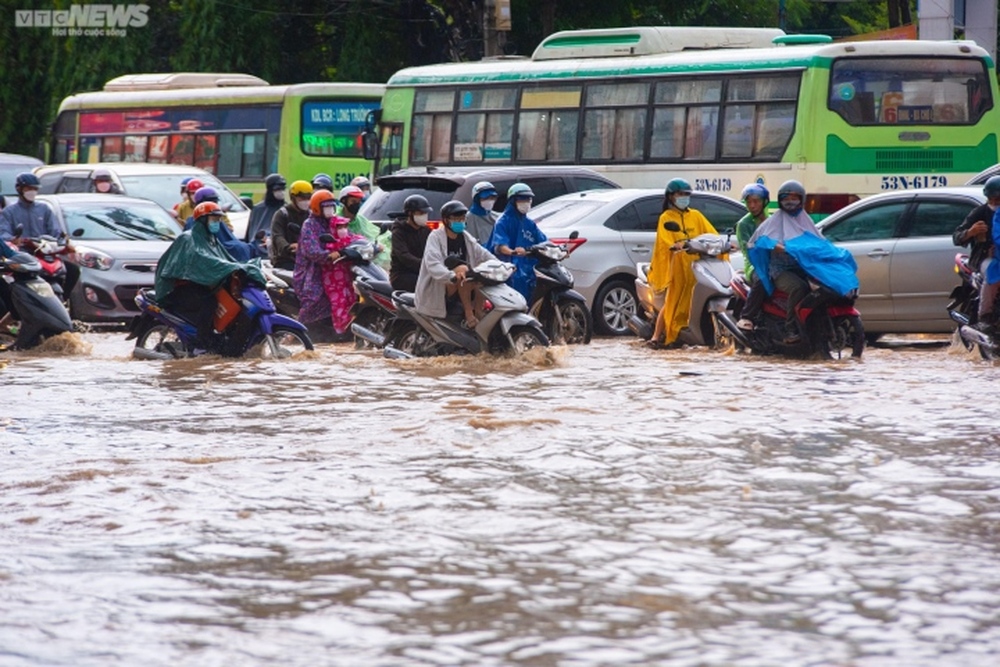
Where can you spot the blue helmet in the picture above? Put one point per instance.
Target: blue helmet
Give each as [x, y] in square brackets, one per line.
[205, 194]
[26, 179]
[756, 190]
[322, 182]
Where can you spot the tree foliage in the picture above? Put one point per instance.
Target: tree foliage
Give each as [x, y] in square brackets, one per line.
[326, 40]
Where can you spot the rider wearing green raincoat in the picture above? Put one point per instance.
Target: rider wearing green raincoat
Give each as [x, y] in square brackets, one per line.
[194, 267]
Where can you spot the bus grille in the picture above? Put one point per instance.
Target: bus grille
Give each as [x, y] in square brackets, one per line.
[914, 160]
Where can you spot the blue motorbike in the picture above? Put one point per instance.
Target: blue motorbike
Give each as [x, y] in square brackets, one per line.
[243, 324]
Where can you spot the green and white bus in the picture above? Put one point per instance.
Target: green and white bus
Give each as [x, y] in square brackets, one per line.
[720, 106]
[234, 125]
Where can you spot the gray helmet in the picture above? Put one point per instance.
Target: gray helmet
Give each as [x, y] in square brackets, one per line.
[452, 209]
[791, 188]
[992, 187]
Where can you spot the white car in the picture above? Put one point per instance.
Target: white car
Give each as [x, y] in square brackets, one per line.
[158, 182]
[616, 230]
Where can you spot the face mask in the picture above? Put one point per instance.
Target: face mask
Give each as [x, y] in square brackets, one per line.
[457, 227]
[214, 226]
[278, 194]
[488, 204]
[303, 205]
[354, 208]
[328, 211]
[523, 207]
[29, 195]
[682, 202]
[341, 231]
[103, 186]
[791, 205]
[420, 219]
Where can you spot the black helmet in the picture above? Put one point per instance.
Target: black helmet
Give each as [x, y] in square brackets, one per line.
[415, 203]
[274, 182]
[453, 209]
[26, 179]
[992, 186]
[791, 188]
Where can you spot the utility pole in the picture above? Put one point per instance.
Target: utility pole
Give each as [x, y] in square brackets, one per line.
[496, 25]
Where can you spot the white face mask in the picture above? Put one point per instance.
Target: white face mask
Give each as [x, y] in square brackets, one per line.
[488, 204]
[303, 205]
[342, 231]
[29, 195]
[278, 194]
[420, 219]
[523, 207]
[102, 186]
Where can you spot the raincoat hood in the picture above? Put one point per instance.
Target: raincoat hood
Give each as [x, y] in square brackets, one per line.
[197, 256]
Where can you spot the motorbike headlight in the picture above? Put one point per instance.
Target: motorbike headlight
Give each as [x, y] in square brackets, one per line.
[92, 259]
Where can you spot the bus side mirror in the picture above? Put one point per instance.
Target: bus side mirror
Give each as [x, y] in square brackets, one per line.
[369, 145]
[372, 120]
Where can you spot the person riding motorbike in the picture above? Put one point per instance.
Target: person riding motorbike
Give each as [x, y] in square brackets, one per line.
[756, 198]
[262, 213]
[185, 208]
[312, 257]
[27, 219]
[669, 268]
[978, 230]
[365, 185]
[286, 225]
[787, 249]
[441, 290]
[350, 203]
[482, 218]
[409, 239]
[322, 181]
[194, 266]
[103, 183]
[513, 233]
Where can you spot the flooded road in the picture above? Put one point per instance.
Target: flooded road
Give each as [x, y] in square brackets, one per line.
[600, 505]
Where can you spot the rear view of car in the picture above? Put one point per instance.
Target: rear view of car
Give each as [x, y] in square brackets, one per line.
[118, 241]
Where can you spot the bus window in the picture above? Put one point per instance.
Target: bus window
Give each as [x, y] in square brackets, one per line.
[253, 154]
[430, 140]
[900, 91]
[613, 132]
[112, 149]
[205, 152]
[135, 148]
[759, 116]
[485, 125]
[230, 154]
[390, 148]
[158, 148]
[550, 132]
[182, 149]
[700, 133]
[688, 111]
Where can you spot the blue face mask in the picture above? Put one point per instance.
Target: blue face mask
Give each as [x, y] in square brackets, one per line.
[214, 226]
[457, 227]
[682, 202]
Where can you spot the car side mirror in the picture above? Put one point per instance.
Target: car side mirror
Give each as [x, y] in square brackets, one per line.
[574, 235]
[671, 226]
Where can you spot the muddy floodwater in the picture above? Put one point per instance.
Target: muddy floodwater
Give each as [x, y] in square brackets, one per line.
[599, 505]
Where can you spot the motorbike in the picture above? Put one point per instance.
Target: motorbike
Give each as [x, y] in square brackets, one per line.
[47, 250]
[506, 325]
[712, 320]
[279, 288]
[963, 308]
[562, 311]
[374, 309]
[40, 309]
[828, 323]
[245, 317]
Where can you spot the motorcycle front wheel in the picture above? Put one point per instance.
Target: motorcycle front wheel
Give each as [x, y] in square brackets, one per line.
[577, 324]
[285, 342]
[524, 338]
[159, 339]
[848, 332]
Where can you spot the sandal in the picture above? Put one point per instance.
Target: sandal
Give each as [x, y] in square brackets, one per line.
[654, 344]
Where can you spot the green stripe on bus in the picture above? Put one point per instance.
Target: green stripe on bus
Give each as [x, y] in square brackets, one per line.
[593, 40]
[844, 159]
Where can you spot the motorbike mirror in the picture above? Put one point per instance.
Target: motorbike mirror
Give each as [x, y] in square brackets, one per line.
[729, 231]
[574, 235]
[325, 238]
[452, 261]
[247, 201]
[671, 226]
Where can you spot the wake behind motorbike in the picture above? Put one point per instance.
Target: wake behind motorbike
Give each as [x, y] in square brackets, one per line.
[245, 318]
[712, 320]
[963, 308]
[562, 310]
[505, 327]
[41, 311]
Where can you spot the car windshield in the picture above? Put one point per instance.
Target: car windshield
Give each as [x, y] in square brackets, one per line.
[383, 204]
[165, 189]
[133, 222]
[8, 174]
[564, 213]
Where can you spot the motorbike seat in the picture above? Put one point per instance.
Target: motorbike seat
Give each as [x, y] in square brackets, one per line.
[405, 298]
[381, 286]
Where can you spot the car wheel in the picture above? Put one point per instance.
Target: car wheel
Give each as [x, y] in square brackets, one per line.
[614, 304]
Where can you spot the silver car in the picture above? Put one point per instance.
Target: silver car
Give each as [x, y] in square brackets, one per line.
[617, 229]
[118, 241]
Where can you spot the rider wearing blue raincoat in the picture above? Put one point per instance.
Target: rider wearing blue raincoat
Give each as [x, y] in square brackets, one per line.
[514, 232]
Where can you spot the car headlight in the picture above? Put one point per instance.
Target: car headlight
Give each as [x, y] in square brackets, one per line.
[92, 259]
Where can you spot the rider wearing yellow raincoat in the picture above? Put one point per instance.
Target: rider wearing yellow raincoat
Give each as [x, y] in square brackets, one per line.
[671, 270]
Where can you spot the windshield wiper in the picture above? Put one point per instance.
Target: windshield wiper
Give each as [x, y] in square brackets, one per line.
[114, 228]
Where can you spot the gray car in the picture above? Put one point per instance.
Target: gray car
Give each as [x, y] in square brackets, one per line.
[617, 229]
[118, 241]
